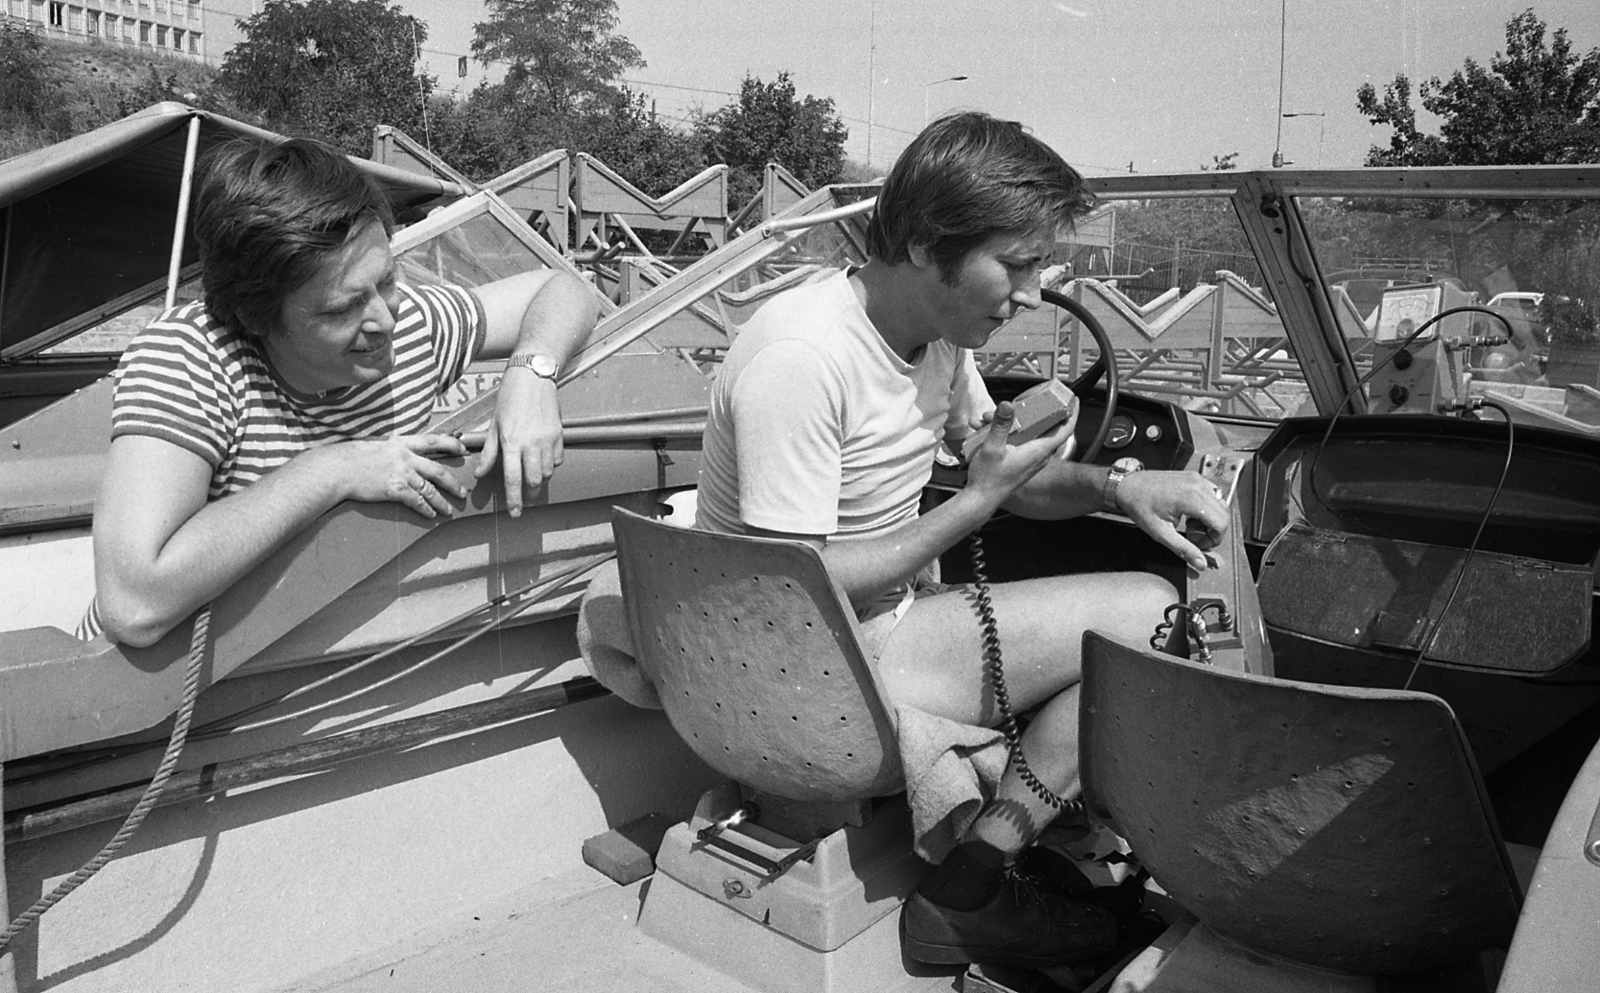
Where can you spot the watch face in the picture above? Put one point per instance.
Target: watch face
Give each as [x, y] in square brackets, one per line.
[542, 365]
[1127, 464]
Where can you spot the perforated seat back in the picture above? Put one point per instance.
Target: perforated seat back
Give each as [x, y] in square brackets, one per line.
[1341, 827]
[756, 657]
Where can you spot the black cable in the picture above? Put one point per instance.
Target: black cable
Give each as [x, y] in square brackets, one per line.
[1461, 574]
[1377, 367]
[995, 667]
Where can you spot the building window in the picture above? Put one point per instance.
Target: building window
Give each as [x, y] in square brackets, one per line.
[161, 6]
[177, 39]
[144, 32]
[75, 20]
[194, 12]
[57, 13]
[127, 30]
[161, 36]
[194, 42]
[93, 23]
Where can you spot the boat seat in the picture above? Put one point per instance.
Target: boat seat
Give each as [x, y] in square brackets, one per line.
[1343, 828]
[755, 655]
[757, 659]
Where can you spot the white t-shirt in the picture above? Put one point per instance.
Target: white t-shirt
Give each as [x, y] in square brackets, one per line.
[816, 427]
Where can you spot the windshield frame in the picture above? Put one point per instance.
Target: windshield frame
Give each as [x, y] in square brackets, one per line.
[1266, 203]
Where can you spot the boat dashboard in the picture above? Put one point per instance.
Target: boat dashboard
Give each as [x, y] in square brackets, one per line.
[1434, 480]
[1452, 540]
[1160, 435]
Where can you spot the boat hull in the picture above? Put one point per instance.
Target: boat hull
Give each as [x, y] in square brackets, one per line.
[256, 889]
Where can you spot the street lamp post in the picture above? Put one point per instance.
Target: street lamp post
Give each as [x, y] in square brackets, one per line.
[872, 74]
[1322, 128]
[1283, 37]
[927, 86]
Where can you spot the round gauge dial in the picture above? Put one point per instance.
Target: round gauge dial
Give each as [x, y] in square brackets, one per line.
[1122, 432]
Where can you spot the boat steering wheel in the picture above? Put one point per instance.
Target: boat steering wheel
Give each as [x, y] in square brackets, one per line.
[1105, 365]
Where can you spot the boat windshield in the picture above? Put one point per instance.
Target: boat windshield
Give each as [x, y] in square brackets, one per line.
[1178, 289]
[1214, 303]
[1533, 261]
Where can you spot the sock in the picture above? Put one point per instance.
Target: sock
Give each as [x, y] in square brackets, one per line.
[968, 878]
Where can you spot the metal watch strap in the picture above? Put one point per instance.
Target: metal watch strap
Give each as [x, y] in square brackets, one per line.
[538, 363]
[1108, 492]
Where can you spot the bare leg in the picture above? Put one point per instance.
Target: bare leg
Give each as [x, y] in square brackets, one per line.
[1017, 814]
[963, 911]
[934, 661]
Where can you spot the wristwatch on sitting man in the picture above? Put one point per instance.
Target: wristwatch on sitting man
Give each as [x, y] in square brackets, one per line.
[538, 363]
[1120, 470]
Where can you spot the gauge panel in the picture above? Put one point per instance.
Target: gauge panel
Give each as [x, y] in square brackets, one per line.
[1122, 432]
[1153, 431]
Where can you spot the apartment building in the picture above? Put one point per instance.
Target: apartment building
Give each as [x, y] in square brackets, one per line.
[188, 28]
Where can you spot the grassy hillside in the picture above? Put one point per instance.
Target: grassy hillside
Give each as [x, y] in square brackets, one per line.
[51, 90]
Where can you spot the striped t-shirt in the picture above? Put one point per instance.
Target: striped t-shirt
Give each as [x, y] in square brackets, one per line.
[209, 390]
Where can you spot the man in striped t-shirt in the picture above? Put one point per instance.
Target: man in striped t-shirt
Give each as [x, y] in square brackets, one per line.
[302, 380]
[212, 392]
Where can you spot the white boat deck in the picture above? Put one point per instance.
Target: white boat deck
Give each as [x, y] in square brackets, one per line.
[574, 933]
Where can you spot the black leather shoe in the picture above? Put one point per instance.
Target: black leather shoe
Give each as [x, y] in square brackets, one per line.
[1021, 925]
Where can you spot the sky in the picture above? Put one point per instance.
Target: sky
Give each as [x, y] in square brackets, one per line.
[1156, 85]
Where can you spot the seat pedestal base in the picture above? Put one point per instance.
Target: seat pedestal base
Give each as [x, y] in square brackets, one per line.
[827, 924]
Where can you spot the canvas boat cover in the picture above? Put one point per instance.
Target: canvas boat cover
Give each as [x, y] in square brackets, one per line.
[90, 220]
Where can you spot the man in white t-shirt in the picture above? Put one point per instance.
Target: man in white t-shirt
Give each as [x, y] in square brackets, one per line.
[823, 426]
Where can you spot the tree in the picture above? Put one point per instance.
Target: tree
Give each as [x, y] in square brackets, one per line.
[330, 68]
[626, 136]
[53, 89]
[561, 52]
[30, 112]
[768, 124]
[1536, 103]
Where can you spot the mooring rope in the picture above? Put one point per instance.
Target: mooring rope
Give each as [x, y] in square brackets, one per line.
[169, 763]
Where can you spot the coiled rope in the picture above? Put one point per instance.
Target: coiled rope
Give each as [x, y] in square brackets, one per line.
[198, 643]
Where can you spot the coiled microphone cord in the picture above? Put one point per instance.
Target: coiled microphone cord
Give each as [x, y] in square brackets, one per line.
[994, 666]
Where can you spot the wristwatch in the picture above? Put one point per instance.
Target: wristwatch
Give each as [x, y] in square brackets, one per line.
[541, 364]
[1120, 469]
